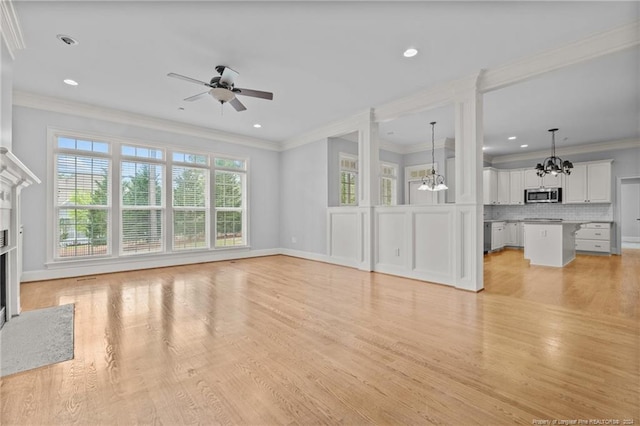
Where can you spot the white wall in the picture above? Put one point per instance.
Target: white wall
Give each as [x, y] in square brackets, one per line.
[6, 90]
[30, 141]
[303, 198]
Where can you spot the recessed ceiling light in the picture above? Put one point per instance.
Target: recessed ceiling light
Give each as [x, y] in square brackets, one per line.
[410, 52]
[69, 41]
[511, 138]
[70, 82]
[524, 146]
[257, 125]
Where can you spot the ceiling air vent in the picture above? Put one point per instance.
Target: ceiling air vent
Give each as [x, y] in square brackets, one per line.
[67, 40]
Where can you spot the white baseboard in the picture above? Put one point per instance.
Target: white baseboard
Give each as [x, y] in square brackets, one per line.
[631, 239]
[351, 263]
[79, 270]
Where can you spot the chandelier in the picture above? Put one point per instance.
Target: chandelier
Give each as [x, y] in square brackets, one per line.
[432, 181]
[553, 164]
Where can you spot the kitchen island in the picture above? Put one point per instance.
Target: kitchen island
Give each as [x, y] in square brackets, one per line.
[550, 242]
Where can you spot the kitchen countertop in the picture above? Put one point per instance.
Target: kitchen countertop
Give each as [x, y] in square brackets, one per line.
[538, 221]
[556, 222]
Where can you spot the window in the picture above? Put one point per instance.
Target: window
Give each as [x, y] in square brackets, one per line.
[348, 179]
[82, 198]
[388, 184]
[190, 181]
[230, 209]
[142, 206]
[121, 199]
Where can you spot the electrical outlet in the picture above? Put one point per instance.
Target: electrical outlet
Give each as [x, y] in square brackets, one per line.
[294, 240]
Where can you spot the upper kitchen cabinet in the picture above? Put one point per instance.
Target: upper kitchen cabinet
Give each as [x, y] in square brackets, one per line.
[589, 183]
[503, 187]
[532, 180]
[516, 187]
[490, 186]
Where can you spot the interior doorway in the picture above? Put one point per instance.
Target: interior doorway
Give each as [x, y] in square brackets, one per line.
[629, 193]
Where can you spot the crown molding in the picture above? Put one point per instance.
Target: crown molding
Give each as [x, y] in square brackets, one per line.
[571, 150]
[592, 47]
[448, 143]
[10, 28]
[65, 106]
[433, 97]
[333, 129]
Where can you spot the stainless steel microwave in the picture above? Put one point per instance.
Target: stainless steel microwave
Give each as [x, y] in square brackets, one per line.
[543, 195]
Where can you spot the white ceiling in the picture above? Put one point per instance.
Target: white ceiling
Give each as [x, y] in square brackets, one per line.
[329, 60]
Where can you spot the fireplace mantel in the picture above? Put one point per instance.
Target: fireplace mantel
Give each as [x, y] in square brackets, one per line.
[14, 172]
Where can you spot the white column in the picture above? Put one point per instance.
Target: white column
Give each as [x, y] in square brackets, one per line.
[369, 188]
[468, 233]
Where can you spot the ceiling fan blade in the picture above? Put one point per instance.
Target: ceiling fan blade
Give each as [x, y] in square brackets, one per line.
[228, 76]
[237, 104]
[196, 97]
[189, 79]
[253, 93]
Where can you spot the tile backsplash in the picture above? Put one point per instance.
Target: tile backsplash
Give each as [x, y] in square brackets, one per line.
[596, 212]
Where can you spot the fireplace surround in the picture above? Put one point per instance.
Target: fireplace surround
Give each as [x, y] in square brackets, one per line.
[14, 177]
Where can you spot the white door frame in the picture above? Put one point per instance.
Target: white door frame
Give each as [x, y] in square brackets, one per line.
[618, 208]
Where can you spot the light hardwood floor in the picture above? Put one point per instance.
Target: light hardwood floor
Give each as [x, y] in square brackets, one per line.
[280, 340]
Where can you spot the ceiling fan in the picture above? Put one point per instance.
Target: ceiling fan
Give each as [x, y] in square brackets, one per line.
[222, 88]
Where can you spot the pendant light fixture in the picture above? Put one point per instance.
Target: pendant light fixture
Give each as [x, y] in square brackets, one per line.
[433, 181]
[553, 164]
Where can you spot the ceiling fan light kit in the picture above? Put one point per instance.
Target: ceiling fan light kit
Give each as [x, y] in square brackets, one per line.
[222, 88]
[222, 95]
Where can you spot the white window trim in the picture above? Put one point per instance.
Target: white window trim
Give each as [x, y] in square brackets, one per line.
[52, 228]
[354, 170]
[245, 199]
[163, 205]
[207, 199]
[394, 180]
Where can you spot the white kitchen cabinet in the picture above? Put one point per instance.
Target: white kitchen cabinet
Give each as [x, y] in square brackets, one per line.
[490, 186]
[516, 187]
[511, 234]
[595, 237]
[588, 183]
[520, 234]
[503, 186]
[497, 235]
[532, 180]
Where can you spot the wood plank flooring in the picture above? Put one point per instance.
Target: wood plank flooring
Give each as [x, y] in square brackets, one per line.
[280, 340]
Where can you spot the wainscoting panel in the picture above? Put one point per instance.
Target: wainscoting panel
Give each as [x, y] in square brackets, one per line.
[433, 239]
[392, 247]
[416, 242]
[345, 235]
